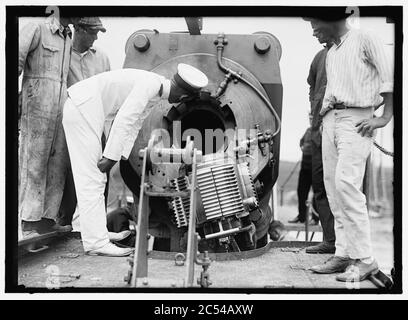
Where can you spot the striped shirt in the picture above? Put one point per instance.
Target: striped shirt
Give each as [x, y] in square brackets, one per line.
[358, 71]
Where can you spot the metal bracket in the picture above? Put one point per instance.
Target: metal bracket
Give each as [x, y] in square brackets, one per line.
[138, 277]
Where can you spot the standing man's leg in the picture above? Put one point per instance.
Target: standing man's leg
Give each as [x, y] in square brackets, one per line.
[303, 189]
[56, 176]
[304, 183]
[321, 201]
[69, 200]
[36, 166]
[353, 153]
[340, 261]
[85, 151]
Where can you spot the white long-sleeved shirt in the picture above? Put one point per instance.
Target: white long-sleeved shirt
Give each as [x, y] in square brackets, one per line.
[358, 71]
[122, 95]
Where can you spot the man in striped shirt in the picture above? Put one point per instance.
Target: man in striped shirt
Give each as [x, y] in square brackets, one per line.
[359, 80]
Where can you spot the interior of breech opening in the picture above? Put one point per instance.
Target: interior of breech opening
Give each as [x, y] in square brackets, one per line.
[210, 126]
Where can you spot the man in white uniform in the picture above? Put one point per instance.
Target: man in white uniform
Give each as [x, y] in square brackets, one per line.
[86, 61]
[126, 94]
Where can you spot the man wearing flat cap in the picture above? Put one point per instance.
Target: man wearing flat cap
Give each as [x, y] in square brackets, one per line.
[86, 61]
[359, 80]
[124, 95]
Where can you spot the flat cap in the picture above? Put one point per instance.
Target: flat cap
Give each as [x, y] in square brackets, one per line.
[92, 23]
[190, 78]
[328, 14]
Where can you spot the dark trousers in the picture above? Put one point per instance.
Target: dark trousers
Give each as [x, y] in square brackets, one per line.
[304, 185]
[117, 221]
[69, 200]
[320, 197]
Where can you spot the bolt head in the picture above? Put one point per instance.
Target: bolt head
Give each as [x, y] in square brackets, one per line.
[141, 42]
[262, 45]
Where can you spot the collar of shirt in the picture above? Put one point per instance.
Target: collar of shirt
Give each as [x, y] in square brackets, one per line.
[83, 54]
[342, 39]
[54, 25]
[166, 89]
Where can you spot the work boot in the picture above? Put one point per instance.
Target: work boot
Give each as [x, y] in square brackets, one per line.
[358, 271]
[314, 220]
[323, 247]
[333, 265]
[49, 225]
[30, 229]
[297, 220]
[30, 234]
[110, 250]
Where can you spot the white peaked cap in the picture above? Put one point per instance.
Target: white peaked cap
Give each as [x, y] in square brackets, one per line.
[191, 76]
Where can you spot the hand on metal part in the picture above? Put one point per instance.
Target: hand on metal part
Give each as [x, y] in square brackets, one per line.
[105, 164]
[366, 127]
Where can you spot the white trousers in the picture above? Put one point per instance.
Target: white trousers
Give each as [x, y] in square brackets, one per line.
[345, 153]
[85, 150]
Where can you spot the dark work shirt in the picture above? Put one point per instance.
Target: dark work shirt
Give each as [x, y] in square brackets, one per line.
[317, 81]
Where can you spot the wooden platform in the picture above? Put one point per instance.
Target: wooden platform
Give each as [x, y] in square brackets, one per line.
[282, 265]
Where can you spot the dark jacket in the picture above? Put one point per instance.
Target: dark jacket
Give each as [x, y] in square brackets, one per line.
[305, 143]
[317, 86]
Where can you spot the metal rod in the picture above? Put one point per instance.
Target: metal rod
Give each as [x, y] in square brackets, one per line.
[191, 239]
[226, 233]
[140, 255]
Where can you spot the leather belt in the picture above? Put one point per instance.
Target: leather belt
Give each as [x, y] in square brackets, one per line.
[341, 106]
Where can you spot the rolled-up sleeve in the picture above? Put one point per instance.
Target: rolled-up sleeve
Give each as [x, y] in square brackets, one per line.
[130, 117]
[376, 54]
[28, 40]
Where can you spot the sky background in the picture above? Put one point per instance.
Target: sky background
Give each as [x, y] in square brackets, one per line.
[298, 50]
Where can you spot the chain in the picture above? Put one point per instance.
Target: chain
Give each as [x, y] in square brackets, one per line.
[383, 150]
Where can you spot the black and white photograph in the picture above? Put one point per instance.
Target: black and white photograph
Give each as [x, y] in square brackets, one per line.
[203, 149]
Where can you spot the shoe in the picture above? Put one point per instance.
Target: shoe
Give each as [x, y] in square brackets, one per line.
[110, 250]
[321, 248]
[296, 220]
[313, 222]
[59, 228]
[48, 225]
[30, 234]
[358, 271]
[333, 265]
[117, 236]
